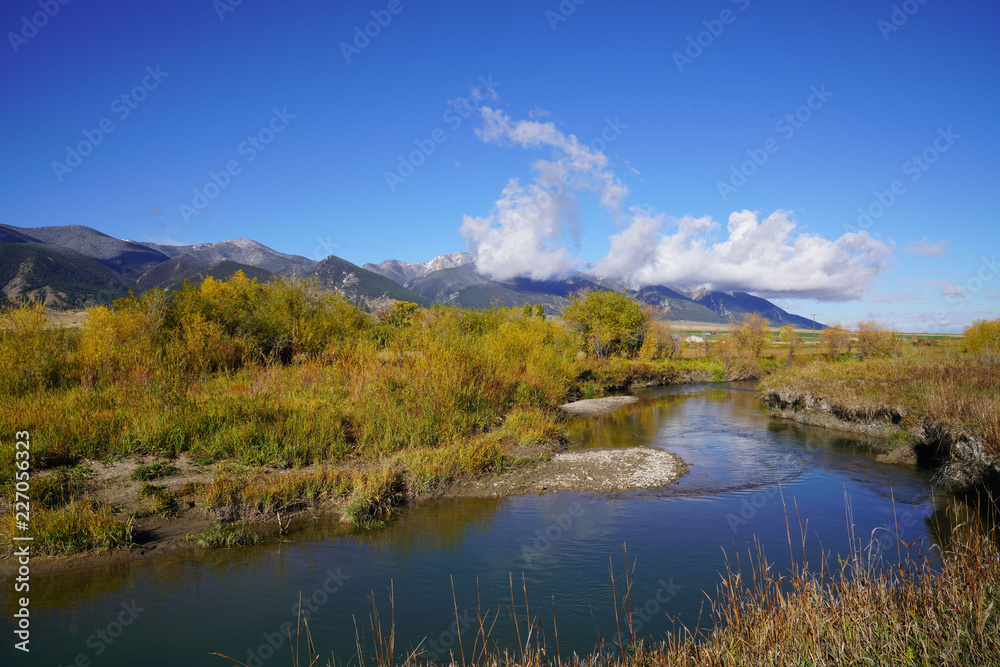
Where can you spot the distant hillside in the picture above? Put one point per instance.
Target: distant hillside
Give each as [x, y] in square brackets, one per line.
[406, 272]
[170, 275]
[243, 251]
[361, 286]
[13, 235]
[675, 306]
[445, 284]
[459, 283]
[127, 258]
[60, 277]
[734, 305]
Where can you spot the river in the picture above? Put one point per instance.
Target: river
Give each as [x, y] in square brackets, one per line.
[752, 480]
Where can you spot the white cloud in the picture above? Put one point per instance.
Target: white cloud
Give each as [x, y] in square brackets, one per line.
[764, 256]
[531, 228]
[520, 237]
[527, 231]
[924, 248]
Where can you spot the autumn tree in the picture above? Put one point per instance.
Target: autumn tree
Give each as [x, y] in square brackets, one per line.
[610, 323]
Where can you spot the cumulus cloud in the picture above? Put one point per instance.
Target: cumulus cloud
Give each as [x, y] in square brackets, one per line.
[765, 256]
[531, 229]
[527, 232]
[924, 248]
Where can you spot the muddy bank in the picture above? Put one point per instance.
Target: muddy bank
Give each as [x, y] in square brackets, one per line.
[961, 463]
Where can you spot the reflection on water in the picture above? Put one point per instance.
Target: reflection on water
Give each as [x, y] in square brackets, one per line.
[748, 476]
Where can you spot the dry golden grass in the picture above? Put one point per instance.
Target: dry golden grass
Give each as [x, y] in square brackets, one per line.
[936, 385]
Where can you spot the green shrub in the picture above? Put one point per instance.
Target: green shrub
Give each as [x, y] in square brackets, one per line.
[77, 527]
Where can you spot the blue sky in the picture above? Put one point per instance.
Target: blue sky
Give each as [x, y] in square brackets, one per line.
[730, 142]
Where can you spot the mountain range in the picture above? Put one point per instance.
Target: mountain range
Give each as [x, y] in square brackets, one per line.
[73, 266]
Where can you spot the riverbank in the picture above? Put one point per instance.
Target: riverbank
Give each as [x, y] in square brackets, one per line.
[939, 409]
[171, 502]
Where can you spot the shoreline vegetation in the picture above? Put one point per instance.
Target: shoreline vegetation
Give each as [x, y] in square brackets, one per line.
[237, 407]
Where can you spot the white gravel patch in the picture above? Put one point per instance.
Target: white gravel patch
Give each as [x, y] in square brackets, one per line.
[606, 470]
[598, 406]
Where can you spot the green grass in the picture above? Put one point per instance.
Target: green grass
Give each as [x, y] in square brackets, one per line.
[61, 486]
[79, 526]
[227, 536]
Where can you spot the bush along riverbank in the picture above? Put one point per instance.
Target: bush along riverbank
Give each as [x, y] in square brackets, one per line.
[937, 406]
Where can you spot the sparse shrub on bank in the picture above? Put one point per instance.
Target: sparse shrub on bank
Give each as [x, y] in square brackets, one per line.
[877, 340]
[226, 536]
[982, 340]
[153, 471]
[32, 357]
[742, 350]
[82, 525]
[61, 486]
[661, 342]
[836, 339]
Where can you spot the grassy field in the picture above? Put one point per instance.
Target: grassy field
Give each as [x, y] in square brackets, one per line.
[939, 385]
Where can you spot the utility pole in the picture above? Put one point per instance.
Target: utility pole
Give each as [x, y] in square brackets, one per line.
[814, 322]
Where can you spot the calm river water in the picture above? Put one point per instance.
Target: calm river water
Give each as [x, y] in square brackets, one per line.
[748, 474]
